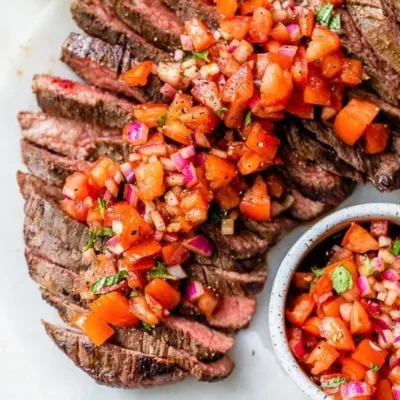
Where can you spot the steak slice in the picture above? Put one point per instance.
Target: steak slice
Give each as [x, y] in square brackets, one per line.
[305, 209]
[73, 100]
[151, 20]
[141, 341]
[187, 9]
[98, 20]
[100, 64]
[112, 365]
[384, 171]
[228, 282]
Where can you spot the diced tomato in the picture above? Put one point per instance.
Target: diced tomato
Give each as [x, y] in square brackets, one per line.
[164, 293]
[256, 204]
[149, 178]
[296, 106]
[202, 186]
[262, 142]
[178, 132]
[94, 219]
[195, 208]
[335, 331]
[312, 325]
[317, 90]
[250, 162]
[135, 279]
[332, 307]
[233, 118]
[75, 209]
[353, 369]
[201, 119]
[383, 390]
[97, 330]
[360, 323]
[142, 266]
[239, 87]
[76, 186]
[300, 68]
[301, 308]
[359, 240]
[142, 250]
[174, 254]
[376, 137]
[150, 113]
[249, 6]
[271, 46]
[141, 309]
[332, 64]
[322, 357]
[368, 353]
[276, 86]
[302, 280]
[306, 20]
[114, 308]
[219, 172]
[208, 302]
[280, 33]
[181, 103]
[352, 72]
[328, 388]
[323, 42]
[264, 59]
[337, 94]
[379, 228]
[206, 92]
[227, 7]
[353, 119]
[227, 197]
[138, 75]
[275, 185]
[102, 170]
[202, 38]
[237, 27]
[260, 26]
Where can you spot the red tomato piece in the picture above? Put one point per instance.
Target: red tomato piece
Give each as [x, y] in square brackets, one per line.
[195, 208]
[102, 170]
[332, 64]
[323, 42]
[138, 75]
[276, 86]
[142, 250]
[359, 240]
[331, 307]
[149, 113]
[352, 72]
[178, 132]
[260, 26]
[239, 87]
[202, 38]
[256, 204]
[312, 325]
[306, 20]
[262, 142]
[75, 209]
[97, 330]
[174, 253]
[353, 369]
[335, 331]
[237, 27]
[141, 309]
[322, 357]
[300, 309]
[280, 33]
[383, 390]
[250, 162]
[360, 323]
[249, 6]
[206, 92]
[180, 103]
[376, 138]
[300, 68]
[233, 118]
[227, 197]
[219, 172]
[296, 106]
[227, 7]
[379, 228]
[76, 186]
[163, 293]
[368, 353]
[201, 119]
[317, 90]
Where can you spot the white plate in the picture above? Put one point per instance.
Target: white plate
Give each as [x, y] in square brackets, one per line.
[31, 367]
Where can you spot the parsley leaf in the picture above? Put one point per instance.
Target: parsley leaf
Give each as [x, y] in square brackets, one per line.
[335, 23]
[201, 55]
[147, 327]
[103, 204]
[162, 120]
[134, 293]
[342, 279]
[333, 383]
[247, 118]
[93, 236]
[324, 14]
[318, 272]
[221, 111]
[374, 367]
[160, 271]
[109, 281]
[217, 215]
[396, 248]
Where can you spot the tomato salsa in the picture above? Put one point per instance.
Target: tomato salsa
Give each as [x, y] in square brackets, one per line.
[343, 313]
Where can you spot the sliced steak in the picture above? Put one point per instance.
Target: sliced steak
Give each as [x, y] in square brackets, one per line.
[228, 282]
[143, 342]
[100, 64]
[305, 209]
[112, 365]
[384, 171]
[187, 9]
[68, 99]
[98, 20]
[151, 20]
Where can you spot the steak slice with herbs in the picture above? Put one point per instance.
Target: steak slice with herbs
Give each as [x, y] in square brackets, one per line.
[112, 365]
[100, 64]
[143, 342]
[73, 100]
[151, 20]
[99, 20]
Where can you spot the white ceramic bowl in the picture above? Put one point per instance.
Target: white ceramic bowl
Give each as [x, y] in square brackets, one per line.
[315, 235]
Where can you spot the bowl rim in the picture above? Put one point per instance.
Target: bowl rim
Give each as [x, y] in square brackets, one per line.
[311, 238]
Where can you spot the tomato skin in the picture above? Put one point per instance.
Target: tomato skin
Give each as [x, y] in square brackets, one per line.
[239, 87]
[219, 172]
[352, 72]
[276, 86]
[264, 143]
[237, 27]
[142, 250]
[300, 309]
[76, 186]
[138, 75]
[174, 254]
[227, 197]
[233, 118]
[75, 209]
[260, 26]
[323, 42]
[312, 325]
[227, 7]
[149, 113]
[206, 92]
[317, 90]
[141, 309]
[383, 390]
[296, 106]
[300, 68]
[332, 307]
[178, 132]
[201, 36]
[359, 240]
[97, 330]
[360, 323]
[256, 204]
[335, 331]
[332, 64]
[249, 6]
[250, 162]
[353, 369]
[368, 353]
[280, 33]
[201, 119]
[322, 357]
[376, 138]
[306, 20]
[163, 293]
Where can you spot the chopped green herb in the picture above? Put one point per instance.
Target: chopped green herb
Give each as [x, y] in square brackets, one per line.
[134, 293]
[160, 271]
[312, 284]
[334, 383]
[324, 14]
[247, 118]
[217, 215]
[220, 111]
[335, 23]
[93, 236]
[202, 55]
[318, 272]
[375, 368]
[342, 279]
[147, 327]
[102, 207]
[396, 248]
[109, 281]
[162, 120]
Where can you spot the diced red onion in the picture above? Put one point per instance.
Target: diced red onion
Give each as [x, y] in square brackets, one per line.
[118, 177]
[170, 237]
[396, 392]
[127, 170]
[88, 256]
[211, 70]
[187, 43]
[178, 55]
[227, 227]
[395, 314]
[149, 206]
[382, 322]
[158, 221]
[158, 236]
[345, 311]
[354, 389]
[217, 34]
[394, 361]
[243, 51]
[221, 81]
[277, 5]
[384, 241]
[385, 339]
[187, 152]
[386, 256]
[194, 290]
[168, 91]
[190, 176]
[175, 180]
[158, 149]
[289, 51]
[168, 164]
[294, 32]
[364, 286]
[133, 157]
[390, 298]
[112, 187]
[390, 275]
[201, 140]
[179, 161]
[115, 246]
[200, 245]
[328, 113]
[169, 73]
[107, 195]
[117, 227]
[372, 307]
[377, 264]
[177, 271]
[288, 4]
[233, 45]
[137, 132]
[130, 195]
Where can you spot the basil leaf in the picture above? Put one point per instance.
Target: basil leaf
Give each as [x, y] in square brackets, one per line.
[160, 271]
[201, 55]
[162, 120]
[375, 368]
[335, 23]
[342, 279]
[324, 14]
[318, 272]
[247, 118]
[147, 327]
[217, 215]
[221, 111]
[396, 248]
[334, 383]
[93, 236]
[108, 281]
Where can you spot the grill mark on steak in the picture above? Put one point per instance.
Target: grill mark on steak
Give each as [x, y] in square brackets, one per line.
[273, 230]
[68, 99]
[100, 64]
[151, 20]
[98, 20]
[112, 365]
[305, 209]
[187, 9]
[141, 341]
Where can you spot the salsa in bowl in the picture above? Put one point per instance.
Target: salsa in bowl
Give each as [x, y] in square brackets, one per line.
[335, 306]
